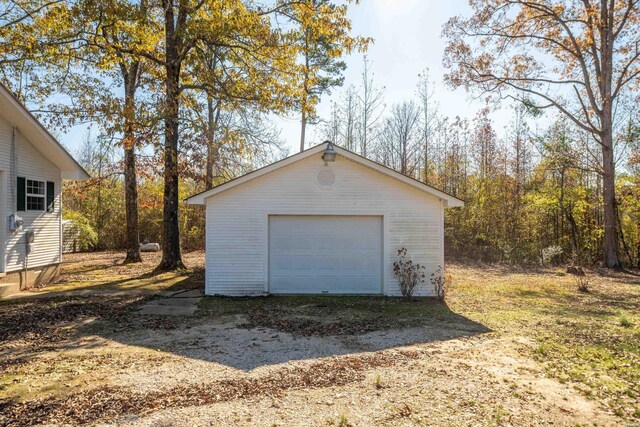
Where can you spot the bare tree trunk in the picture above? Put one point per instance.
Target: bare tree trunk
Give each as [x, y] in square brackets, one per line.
[303, 126]
[171, 252]
[130, 185]
[213, 150]
[131, 205]
[611, 253]
[638, 245]
[305, 96]
[100, 216]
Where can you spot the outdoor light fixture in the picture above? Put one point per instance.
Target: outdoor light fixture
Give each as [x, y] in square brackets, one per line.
[329, 153]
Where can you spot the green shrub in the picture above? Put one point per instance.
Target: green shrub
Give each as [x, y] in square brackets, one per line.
[80, 229]
[624, 321]
[541, 349]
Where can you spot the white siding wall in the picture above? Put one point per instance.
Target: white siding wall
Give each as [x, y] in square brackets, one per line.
[46, 226]
[237, 220]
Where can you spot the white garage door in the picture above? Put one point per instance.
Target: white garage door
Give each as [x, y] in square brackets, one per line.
[325, 254]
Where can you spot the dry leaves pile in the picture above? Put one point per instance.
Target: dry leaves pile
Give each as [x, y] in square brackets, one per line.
[108, 403]
[38, 322]
[39, 326]
[286, 321]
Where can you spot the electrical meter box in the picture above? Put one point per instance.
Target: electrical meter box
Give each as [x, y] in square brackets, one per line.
[15, 222]
[29, 237]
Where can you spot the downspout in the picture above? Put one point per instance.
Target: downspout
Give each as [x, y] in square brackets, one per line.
[14, 169]
[14, 196]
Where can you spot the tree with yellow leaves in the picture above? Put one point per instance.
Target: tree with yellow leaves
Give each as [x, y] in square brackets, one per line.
[232, 52]
[242, 29]
[323, 38]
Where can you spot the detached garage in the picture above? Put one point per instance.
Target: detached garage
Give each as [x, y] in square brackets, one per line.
[323, 221]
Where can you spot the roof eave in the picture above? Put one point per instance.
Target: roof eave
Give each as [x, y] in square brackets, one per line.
[39, 136]
[448, 200]
[200, 198]
[454, 203]
[75, 175]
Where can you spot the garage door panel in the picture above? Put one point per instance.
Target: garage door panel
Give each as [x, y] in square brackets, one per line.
[358, 284]
[310, 244]
[345, 263]
[325, 254]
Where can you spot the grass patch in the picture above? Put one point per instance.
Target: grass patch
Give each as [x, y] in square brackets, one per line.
[624, 321]
[579, 335]
[105, 271]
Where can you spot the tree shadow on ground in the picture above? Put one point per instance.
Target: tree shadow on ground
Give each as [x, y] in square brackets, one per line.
[149, 282]
[248, 333]
[240, 333]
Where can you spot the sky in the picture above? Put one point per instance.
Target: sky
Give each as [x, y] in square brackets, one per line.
[407, 40]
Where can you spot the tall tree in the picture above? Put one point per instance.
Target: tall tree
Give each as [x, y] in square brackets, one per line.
[265, 72]
[230, 102]
[399, 139]
[581, 58]
[371, 106]
[323, 38]
[333, 126]
[349, 110]
[429, 121]
[113, 24]
[78, 51]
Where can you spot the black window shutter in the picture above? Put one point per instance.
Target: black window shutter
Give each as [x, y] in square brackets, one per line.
[50, 196]
[21, 194]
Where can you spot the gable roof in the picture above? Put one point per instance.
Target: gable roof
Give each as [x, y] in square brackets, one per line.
[20, 117]
[200, 198]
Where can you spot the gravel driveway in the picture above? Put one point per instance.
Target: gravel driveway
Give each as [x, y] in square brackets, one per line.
[468, 380]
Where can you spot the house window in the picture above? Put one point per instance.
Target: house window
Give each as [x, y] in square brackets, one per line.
[35, 195]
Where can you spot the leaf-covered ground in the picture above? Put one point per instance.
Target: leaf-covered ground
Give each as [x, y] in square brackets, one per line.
[510, 347]
[105, 271]
[590, 341]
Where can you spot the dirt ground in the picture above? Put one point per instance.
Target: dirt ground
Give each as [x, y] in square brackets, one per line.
[510, 347]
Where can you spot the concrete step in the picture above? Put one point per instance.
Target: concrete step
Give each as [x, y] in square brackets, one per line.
[7, 289]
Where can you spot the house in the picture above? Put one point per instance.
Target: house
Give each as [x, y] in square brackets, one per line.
[32, 167]
[323, 221]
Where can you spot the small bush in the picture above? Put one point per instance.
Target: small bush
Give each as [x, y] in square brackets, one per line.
[409, 274]
[581, 278]
[552, 255]
[579, 275]
[583, 283]
[624, 321]
[439, 282]
[378, 382]
[81, 231]
[344, 422]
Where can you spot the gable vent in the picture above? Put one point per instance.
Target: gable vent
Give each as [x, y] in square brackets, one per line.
[326, 177]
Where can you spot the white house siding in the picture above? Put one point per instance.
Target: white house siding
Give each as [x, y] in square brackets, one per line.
[46, 249]
[237, 220]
